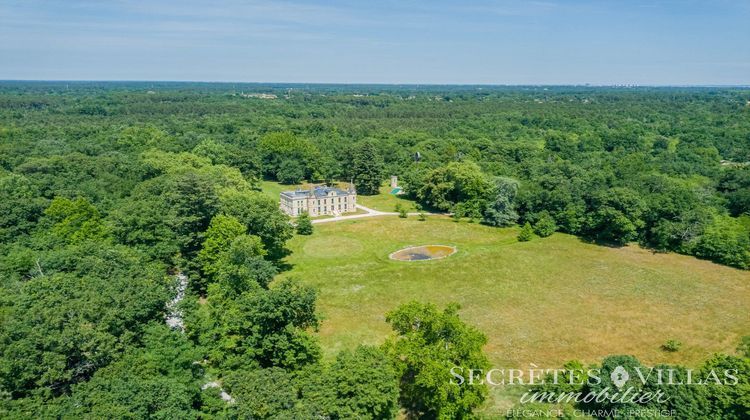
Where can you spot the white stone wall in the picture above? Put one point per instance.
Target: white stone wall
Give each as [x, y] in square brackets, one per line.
[316, 206]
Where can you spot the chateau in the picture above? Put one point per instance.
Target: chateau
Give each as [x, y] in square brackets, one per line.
[319, 201]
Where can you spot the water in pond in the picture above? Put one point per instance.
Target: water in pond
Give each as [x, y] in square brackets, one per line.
[416, 256]
[422, 253]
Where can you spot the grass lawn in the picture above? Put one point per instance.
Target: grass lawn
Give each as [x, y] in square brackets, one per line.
[273, 188]
[385, 201]
[545, 301]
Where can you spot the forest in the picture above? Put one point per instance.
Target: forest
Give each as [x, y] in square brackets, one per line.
[110, 192]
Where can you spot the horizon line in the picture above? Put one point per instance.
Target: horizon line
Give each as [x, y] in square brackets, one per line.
[580, 84]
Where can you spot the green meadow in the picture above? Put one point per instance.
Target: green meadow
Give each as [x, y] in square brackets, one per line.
[385, 201]
[545, 301]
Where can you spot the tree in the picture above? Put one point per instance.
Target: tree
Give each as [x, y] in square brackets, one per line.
[367, 168]
[278, 147]
[735, 186]
[545, 225]
[686, 402]
[674, 215]
[218, 153]
[85, 305]
[359, 384]
[304, 224]
[728, 402]
[258, 327]
[726, 241]
[500, 209]
[617, 367]
[527, 233]
[219, 236]
[290, 172]
[560, 188]
[615, 215]
[20, 204]
[429, 343]
[458, 182]
[75, 221]
[365, 383]
[262, 216]
[158, 380]
[191, 200]
[243, 265]
[262, 393]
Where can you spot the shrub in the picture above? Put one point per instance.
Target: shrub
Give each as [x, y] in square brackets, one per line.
[304, 224]
[526, 234]
[402, 213]
[671, 345]
[545, 225]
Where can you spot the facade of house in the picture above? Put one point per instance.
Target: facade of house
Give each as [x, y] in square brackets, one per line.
[318, 201]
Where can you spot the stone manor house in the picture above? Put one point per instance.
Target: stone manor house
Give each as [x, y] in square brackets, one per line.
[318, 201]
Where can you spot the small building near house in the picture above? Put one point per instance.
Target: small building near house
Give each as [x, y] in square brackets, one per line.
[395, 189]
[319, 201]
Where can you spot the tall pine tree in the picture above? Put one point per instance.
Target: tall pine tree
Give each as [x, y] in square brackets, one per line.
[367, 168]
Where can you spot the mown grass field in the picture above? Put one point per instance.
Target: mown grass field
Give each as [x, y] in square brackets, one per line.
[273, 188]
[543, 302]
[385, 201]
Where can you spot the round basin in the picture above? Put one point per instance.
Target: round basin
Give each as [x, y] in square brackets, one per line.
[423, 253]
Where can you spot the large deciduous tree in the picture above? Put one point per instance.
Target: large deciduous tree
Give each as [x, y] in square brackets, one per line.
[262, 217]
[428, 344]
[615, 215]
[259, 327]
[279, 147]
[458, 182]
[217, 239]
[500, 210]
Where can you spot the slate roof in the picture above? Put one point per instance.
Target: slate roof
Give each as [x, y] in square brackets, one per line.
[317, 192]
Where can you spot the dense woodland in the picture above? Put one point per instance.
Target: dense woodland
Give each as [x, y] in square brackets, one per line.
[108, 190]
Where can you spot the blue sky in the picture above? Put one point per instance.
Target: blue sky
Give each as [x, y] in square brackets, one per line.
[386, 41]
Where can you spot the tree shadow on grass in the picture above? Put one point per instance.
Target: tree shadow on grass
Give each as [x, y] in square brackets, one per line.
[283, 266]
[601, 242]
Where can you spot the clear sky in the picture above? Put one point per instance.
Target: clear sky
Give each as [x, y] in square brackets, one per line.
[379, 41]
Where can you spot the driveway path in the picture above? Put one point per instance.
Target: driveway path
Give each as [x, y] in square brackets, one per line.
[370, 213]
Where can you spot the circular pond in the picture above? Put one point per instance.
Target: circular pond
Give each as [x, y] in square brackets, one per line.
[422, 253]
